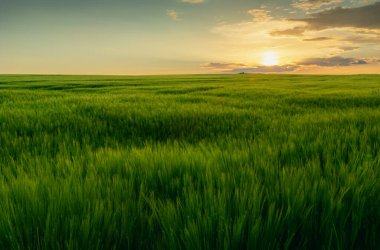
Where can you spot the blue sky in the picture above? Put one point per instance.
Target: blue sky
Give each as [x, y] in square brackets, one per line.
[174, 36]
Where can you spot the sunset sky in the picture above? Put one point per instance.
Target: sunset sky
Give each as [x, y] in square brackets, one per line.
[189, 36]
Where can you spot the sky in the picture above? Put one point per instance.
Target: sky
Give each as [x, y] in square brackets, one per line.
[141, 37]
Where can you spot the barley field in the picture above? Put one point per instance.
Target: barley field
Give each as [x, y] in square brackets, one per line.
[190, 162]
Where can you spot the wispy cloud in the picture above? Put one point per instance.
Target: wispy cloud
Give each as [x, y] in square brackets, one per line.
[314, 4]
[266, 69]
[173, 14]
[222, 66]
[296, 31]
[367, 39]
[193, 1]
[317, 39]
[348, 48]
[260, 15]
[241, 67]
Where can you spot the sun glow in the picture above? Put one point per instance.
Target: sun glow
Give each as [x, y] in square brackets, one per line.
[269, 58]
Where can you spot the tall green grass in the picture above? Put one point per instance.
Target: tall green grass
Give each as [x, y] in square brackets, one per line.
[190, 162]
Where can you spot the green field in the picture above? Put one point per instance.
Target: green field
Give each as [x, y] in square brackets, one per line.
[190, 162]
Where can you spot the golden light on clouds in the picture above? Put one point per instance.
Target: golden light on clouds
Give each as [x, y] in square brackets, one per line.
[270, 58]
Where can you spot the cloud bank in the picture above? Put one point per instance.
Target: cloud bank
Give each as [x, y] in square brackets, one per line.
[335, 61]
[367, 17]
[332, 61]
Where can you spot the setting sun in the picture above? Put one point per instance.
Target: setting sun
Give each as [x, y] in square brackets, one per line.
[269, 58]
